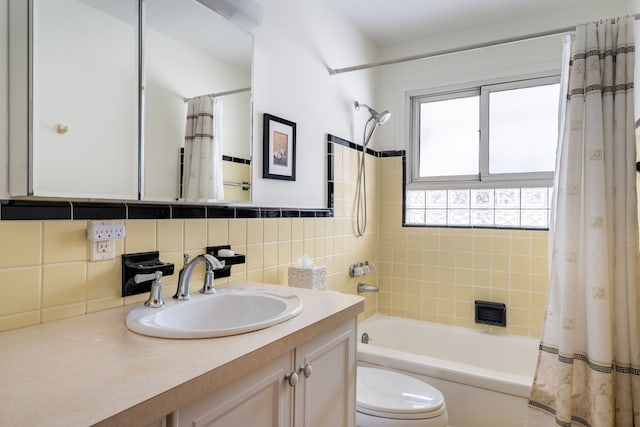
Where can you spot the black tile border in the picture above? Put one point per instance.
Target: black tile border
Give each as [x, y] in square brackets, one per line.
[248, 212]
[221, 212]
[326, 213]
[27, 210]
[34, 210]
[188, 211]
[392, 153]
[404, 190]
[239, 160]
[88, 210]
[23, 210]
[270, 213]
[340, 141]
[330, 195]
[290, 213]
[148, 211]
[332, 139]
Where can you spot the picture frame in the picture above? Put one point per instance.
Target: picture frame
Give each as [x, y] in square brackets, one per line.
[279, 148]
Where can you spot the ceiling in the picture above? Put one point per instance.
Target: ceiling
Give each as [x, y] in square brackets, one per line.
[189, 22]
[387, 22]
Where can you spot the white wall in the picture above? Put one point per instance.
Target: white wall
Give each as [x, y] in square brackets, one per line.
[534, 56]
[294, 46]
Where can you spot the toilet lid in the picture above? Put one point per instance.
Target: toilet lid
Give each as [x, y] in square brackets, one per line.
[393, 395]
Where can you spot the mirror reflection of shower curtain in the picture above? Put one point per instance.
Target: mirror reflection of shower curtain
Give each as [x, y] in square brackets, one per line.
[202, 174]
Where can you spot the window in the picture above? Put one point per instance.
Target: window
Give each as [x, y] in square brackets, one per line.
[482, 207]
[484, 156]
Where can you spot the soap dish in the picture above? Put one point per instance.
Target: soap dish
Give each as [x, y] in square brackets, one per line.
[228, 260]
[142, 263]
[225, 253]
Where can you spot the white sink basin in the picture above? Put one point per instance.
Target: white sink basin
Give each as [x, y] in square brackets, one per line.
[230, 311]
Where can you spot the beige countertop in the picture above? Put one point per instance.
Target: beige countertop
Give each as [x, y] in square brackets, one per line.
[92, 370]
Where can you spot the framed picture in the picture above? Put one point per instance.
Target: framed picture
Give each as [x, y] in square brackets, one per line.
[279, 149]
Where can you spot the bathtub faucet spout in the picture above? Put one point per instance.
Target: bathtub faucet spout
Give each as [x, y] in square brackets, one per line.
[363, 287]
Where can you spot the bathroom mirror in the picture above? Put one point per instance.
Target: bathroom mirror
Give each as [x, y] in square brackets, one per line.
[96, 123]
[190, 51]
[81, 132]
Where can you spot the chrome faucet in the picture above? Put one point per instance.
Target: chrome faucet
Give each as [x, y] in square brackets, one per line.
[155, 296]
[363, 287]
[183, 292]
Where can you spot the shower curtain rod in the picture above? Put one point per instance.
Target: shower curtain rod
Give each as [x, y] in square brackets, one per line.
[213, 95]
[442, 52]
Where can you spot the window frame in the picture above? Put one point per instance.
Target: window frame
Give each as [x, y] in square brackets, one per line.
[483, 179]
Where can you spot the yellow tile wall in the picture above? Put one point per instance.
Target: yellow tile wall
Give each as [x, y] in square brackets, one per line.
[236, 172]
[45, 273]
[433, 274]
[436, 274]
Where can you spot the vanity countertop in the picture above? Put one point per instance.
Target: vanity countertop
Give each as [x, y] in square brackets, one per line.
[91, 369]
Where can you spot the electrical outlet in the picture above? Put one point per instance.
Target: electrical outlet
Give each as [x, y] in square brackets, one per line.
[103, 247]
[102, 250]
[101, 235]
[102, 230]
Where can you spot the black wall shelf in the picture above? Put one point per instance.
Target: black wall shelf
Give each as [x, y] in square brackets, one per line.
[229, 261]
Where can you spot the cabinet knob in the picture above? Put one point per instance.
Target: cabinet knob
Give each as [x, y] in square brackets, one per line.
[307, 370]
[292, 378]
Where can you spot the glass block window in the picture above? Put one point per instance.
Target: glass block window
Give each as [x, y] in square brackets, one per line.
[437, 199]
[488, 207]
[483, 199]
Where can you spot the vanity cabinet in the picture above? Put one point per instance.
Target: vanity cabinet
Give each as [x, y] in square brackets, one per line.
[260, 399]
[323, 395]
[327, 397]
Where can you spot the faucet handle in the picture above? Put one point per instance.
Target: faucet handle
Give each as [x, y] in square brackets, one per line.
[207, 287]
[213, 262]
[139, 278]
[186, 257]
[155, 296]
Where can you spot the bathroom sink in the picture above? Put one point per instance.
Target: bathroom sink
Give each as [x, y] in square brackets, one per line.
[230, 311]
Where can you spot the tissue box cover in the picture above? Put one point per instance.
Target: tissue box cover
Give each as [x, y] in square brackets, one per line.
[309, 278]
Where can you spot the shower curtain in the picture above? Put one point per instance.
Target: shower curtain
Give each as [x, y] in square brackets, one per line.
[202, 172]
[588, 371]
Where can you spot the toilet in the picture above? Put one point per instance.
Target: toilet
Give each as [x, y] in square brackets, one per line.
[391, 399]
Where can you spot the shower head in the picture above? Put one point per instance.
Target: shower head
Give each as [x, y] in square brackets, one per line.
[383, 117]
[380, 118]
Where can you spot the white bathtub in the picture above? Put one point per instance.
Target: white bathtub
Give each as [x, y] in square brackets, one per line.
[485, 377]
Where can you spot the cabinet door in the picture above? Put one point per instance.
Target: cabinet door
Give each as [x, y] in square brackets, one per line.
[327, 397]
[162, 422]
[260, 399]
